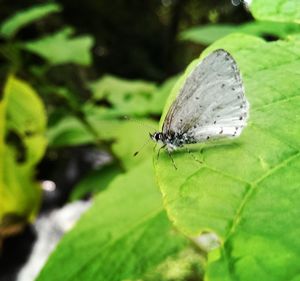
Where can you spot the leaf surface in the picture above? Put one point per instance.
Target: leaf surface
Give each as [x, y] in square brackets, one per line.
[115, 240]
[247, 189]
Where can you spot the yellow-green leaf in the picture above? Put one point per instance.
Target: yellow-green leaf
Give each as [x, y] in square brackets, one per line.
[22, 144]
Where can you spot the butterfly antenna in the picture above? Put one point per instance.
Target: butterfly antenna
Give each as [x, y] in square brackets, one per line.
[139, 122]
[146, 143]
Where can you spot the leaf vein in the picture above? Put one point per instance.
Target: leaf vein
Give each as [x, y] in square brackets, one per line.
[251, 190]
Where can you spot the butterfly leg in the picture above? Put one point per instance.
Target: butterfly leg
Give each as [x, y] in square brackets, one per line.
[193, 156]
[160, 150]
[173, 162]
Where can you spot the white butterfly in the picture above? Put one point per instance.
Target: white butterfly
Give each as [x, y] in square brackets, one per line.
[210, 105]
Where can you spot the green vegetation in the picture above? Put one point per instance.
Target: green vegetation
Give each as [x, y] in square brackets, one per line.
[146, 216]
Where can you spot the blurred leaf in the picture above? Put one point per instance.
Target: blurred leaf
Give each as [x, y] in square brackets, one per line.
[125, 96]
[68, 131]
[95, 181]
[267, 28]
[22, 18]
[130, 97]
[114, 88]
[208, 34]
[131, 137]
[60, 48]
[246, 190]
[161, 94]
[127, 136]
[123, 236]
[22, 145]
[276, 10]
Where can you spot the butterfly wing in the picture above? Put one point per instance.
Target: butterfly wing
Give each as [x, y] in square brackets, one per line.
[211, 104]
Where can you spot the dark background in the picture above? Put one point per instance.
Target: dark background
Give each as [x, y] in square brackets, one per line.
[134, 39]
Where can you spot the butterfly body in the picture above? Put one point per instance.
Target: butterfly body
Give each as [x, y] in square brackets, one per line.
[171, 140]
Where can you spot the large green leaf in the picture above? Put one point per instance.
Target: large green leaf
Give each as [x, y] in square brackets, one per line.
[276, 10]
[60, 48]
[22, 144]
[208, 34]
[247, 189]
[124, 236]
[12, 25]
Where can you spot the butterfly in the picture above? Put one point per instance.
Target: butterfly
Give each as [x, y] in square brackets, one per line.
[210, 105]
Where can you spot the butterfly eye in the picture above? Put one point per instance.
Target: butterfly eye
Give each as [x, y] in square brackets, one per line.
[157, 137]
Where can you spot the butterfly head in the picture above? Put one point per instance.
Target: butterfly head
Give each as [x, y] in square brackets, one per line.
[157, 137]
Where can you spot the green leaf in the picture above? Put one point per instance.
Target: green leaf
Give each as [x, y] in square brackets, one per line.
[130, 97]
[123, 236]
[68, 131]
[276, 10]
[247, 189]
[95, 181]
[13, 24]
[22, 145]
[60, 48]
[124, 95]
[127, 137]
[208, 34]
